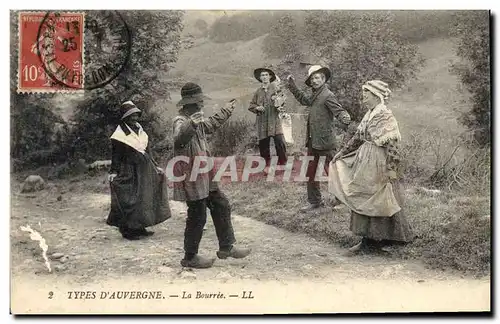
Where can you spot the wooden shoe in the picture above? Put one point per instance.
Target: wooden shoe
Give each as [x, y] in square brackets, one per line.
[198, 262]
[237, 253]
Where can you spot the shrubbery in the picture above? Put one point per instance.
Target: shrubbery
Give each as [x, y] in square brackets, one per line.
[86, 135]
[473, 30]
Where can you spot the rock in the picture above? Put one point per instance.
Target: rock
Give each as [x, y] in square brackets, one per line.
[188, 275]
[64, 259]
[307, 267]
[164, 269]
[57, 255]
[60, 267]
[223, 275]
[421, 280]
[59, 198]
[33, 183]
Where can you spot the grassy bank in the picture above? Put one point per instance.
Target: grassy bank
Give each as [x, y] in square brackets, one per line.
[453, 231]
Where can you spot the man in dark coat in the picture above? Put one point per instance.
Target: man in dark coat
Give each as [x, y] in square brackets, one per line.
[324, 112]
[189, 133]
[139, 192]
[267, 116]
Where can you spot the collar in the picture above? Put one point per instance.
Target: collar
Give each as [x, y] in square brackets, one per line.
[319, 89]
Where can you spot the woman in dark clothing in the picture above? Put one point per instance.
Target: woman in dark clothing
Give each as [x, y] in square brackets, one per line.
[139, 195]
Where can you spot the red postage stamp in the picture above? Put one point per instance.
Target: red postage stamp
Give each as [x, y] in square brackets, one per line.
[51, 52]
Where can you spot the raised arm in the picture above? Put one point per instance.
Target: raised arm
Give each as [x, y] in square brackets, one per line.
[215, 121]
[301, 97]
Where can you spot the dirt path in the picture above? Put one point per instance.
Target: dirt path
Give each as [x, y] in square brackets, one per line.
[96, 253]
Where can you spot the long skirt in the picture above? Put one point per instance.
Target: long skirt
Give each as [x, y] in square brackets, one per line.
[139, 196]
[360, 181]
[394, 228]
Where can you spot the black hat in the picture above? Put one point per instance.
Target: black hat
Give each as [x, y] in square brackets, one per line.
[191, 93]
[258, 71]
[128, 108]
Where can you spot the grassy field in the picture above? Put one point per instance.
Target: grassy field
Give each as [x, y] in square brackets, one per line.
[452, 230]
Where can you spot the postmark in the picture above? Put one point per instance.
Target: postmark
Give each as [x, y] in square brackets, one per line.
[107, 49]
[60, 45]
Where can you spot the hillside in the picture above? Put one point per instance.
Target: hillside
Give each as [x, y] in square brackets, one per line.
[225, 72]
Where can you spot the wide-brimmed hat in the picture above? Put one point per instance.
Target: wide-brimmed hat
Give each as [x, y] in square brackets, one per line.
[129, 108]
[191, 93]
[378, 88]
[258, 71]
[318, 69]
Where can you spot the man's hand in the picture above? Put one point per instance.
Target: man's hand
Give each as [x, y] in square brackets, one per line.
[260, 109]
[197, 118]
[111, 177]
[160, 170]
[229, 106]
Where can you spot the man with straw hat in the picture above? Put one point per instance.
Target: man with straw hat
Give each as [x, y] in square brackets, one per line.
[267, 115]
[324, 111]
[201, 192]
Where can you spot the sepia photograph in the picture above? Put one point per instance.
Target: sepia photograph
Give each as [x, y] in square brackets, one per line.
[250, 161]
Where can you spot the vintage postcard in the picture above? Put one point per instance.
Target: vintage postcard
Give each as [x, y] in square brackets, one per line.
[250, 161]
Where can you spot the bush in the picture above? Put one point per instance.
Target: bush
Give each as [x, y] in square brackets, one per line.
[282, 38]
[234, 137]
[381, 54]
[429, 159]
[473, 30]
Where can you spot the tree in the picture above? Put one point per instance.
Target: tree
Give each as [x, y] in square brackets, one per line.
[361, 46]
[473, 30]
[155, 46]
[282, 40]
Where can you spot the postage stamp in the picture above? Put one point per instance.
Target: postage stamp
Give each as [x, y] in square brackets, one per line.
[71, 51]
[229, 162]
[51, 51]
